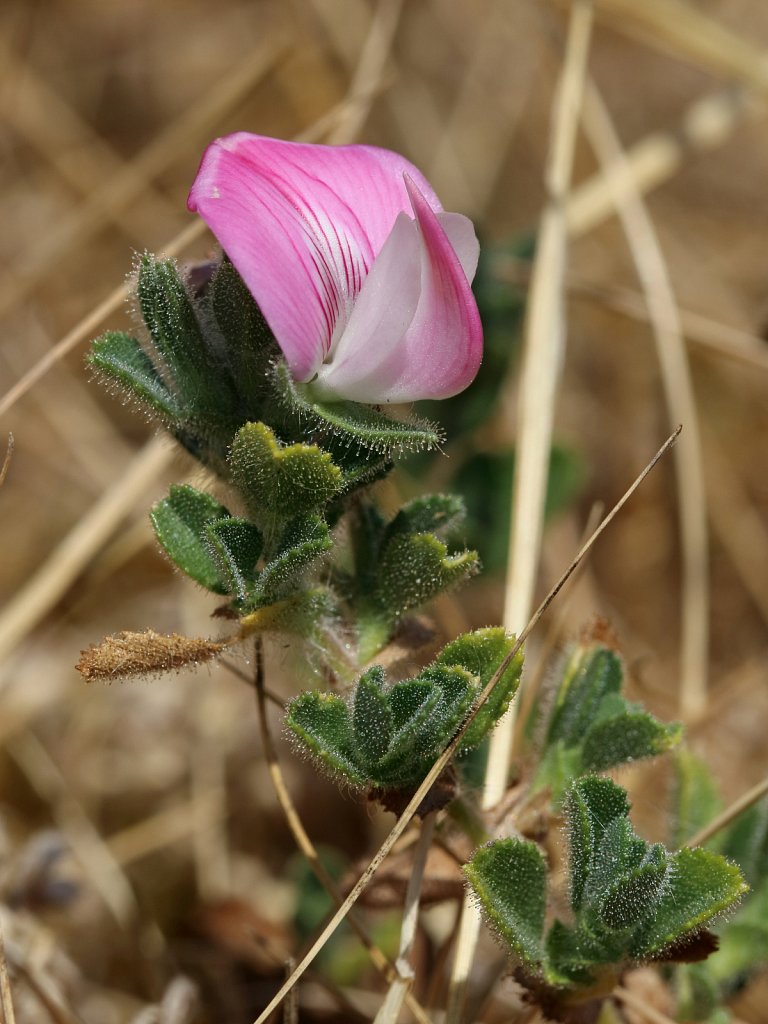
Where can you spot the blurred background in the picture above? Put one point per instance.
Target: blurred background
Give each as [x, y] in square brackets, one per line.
[140, 843]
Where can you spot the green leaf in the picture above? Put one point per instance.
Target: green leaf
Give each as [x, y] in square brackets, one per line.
[481, 653]
[307, 614]
[201, 380]
[360, 425]
[321, 722]
[404, 756]
[510, 877]
[303, 542]
[180, 523]
[695, 800]
[433, 513]
[636, 895]
[627, 736]
[457, 689]
[572, 955]
[235, 545]
[590, 806]
[415, 567]
[593, 674]
[701, 886]
[120, 358]
[372, 719]
[279, 483]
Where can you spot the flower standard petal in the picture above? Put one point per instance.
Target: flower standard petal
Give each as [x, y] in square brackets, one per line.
[302, 225]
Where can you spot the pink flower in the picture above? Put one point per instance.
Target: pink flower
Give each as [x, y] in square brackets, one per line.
[362, 277]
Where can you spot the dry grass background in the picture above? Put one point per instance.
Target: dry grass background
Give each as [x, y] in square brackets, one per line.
[139, 838]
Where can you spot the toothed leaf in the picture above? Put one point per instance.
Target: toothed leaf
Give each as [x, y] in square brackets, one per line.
[279, 483]
[701, 885]
[590, 806]
[627, 736]
[415, 567]
[250, 344]
[591, 676]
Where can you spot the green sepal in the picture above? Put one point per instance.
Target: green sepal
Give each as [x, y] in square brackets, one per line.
[361, 426]
[510, 878]
[630, 735]
[416, 567]
[279, 483]
[701, 885]
[180, 522]
[481, 652]
[249, 345]
[120, 359]
[235, 545]
[372, 719]
[590, 806]
[204, 387]
[321, 721]
[433, 513]
[304, 540]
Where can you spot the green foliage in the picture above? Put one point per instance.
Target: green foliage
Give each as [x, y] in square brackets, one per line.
[235, 545]
[354, 425]
[591, 727]
[743, 939]
[280, 482]
[402, 564]
[631, 901]
[181, 521]
[390, 736]
[120, 358]
[510, 877]
[304, 540]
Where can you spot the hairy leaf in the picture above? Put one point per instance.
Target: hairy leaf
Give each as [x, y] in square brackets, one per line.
[120, 358]
[180, 523]
[510, 878]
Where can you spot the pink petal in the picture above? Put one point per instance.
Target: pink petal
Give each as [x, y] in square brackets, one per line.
[461, 234]
[440, 350]
[303, 225]
[381, 315]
